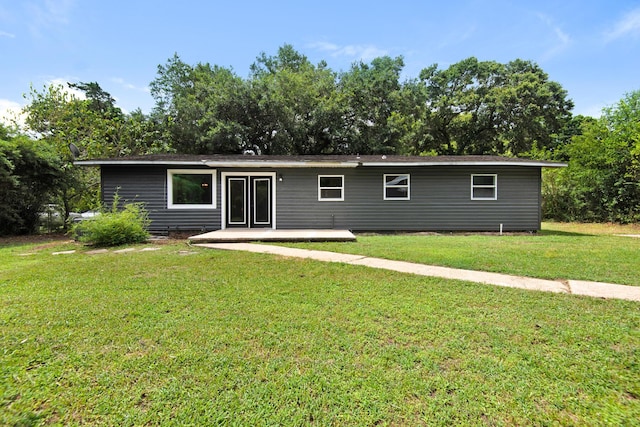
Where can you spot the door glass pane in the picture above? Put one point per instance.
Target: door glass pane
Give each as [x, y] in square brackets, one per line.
[261, 205]
[237, 201]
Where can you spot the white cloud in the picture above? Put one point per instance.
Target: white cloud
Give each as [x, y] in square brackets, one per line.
[628, 25]
[9, 35]
[11, 113]
[64, 83]
[354, 52]
[49, 14]
[122, 82]
[457, 36]
[561, 40]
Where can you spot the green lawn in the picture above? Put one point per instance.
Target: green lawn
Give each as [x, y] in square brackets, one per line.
[202, 337]
[559, 251]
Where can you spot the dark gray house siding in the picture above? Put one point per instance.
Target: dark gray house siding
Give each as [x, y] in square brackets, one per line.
[148, 185]
[440, 198]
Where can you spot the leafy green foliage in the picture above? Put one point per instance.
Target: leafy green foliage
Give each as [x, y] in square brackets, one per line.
[115, 227]
[201, 106]
[29, 175]
[491, 108]
[294, 105]
[602, 182]
[290, 106]
[97, 127]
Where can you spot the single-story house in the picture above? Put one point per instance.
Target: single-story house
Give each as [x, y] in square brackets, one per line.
[359, 193]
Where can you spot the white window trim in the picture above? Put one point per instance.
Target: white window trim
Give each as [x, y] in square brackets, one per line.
[385, 186]
[171, 172]
[494, 186]
[334, 199]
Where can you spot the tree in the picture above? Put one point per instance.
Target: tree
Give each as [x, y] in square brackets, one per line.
[29, 175]
[602, 182]
[205, 107]
[605, 164]
[290, 106]
[294, 105]
[145, 134]
[486, 107]
[287, 106]
[97, 127]
[370, 95]
[94, 124]
[98, 99]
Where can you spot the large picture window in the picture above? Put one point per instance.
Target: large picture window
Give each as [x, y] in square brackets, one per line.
[484, 187]
[191, 189]
[396, 187]
[330, 187]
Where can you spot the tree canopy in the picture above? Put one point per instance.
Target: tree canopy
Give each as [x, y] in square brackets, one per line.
[492, 108]
[29, 176]
[288, 105]
[602, 182]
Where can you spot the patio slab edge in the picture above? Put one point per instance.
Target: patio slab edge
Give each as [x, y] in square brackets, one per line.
[270, 235]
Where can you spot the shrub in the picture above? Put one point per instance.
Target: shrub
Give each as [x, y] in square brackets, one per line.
[115, 227]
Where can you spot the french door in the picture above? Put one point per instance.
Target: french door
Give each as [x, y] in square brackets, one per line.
[249, 201]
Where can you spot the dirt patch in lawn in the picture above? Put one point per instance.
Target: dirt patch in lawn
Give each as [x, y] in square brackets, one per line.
[46, 240]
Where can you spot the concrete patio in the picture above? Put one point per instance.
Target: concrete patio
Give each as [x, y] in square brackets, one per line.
[240, 235]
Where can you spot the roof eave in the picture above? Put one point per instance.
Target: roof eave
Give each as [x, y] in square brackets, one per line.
[281, 164]
[308, 164]
[465, 163]
[138, 162]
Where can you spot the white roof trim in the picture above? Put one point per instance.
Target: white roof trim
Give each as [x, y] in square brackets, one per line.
[311, 164]
[222, 163]
[464, 163]
[277, 164]
[138, 162]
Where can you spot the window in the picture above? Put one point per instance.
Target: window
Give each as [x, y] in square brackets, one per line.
[396, 187]
[484, 187]
[191, 189]
[331, 187]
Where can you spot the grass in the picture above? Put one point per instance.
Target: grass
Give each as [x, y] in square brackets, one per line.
[201, 337]
[558, 252]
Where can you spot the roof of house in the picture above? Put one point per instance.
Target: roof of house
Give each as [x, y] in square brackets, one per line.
[218, 160]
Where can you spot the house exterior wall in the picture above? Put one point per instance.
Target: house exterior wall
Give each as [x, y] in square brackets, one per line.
[440, 199]
[148, 184]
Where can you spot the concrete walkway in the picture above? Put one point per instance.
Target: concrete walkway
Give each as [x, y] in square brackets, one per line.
[575, 287]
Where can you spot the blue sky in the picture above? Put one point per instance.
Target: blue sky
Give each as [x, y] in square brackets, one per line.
[592, 48]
